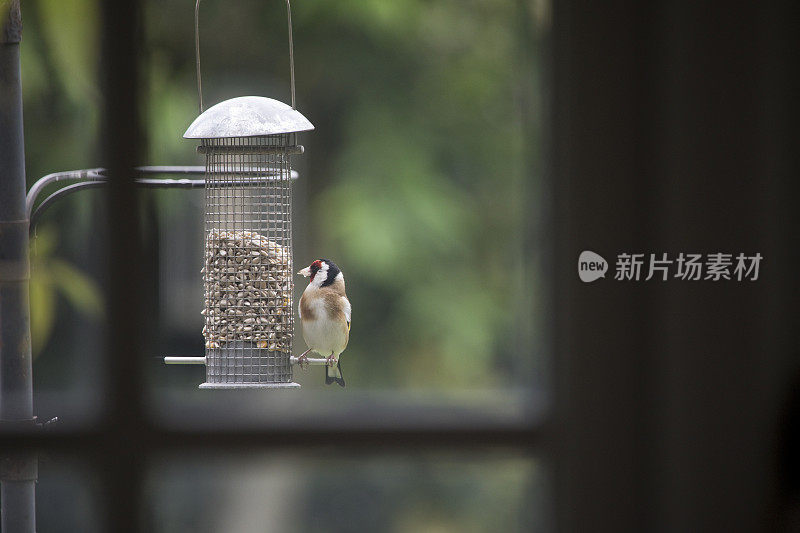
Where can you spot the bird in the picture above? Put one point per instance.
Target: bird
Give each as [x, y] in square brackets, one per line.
[325, 314]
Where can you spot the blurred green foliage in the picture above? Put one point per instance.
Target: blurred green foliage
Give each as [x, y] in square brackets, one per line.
[51, 277]
[61, 98]
[403, 493]
[416, 180]
[421, 203]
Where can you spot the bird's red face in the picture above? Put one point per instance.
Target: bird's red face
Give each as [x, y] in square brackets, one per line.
[314, 267]
[311, 270]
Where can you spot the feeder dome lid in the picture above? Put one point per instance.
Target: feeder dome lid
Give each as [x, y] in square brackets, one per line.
[247, 116]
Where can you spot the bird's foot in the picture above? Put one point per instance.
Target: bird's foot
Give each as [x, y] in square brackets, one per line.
[303, 360]
[331, 361]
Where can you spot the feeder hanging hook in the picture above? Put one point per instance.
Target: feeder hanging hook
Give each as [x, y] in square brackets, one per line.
[197, 53]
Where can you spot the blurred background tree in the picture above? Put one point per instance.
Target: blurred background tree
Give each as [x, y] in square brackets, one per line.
[53, 277]
[416, 180]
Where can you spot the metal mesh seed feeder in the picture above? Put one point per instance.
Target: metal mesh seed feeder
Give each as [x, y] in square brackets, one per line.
[247, 271]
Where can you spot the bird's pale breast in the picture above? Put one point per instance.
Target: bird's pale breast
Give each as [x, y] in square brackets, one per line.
[324, 324]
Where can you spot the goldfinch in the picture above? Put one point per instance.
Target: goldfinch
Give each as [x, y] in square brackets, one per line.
[325, 314]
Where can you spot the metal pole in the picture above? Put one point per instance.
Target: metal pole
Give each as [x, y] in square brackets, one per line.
[17, 471]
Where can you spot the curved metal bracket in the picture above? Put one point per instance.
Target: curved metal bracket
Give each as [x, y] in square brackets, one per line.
[95, 177]
[89, 174]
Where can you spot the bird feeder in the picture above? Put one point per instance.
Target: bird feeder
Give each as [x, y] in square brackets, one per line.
[247, 272]
[247, 269]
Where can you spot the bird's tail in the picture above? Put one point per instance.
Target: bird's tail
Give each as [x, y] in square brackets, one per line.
[334, 374]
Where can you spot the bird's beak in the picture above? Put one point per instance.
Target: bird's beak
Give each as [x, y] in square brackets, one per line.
[306, 272]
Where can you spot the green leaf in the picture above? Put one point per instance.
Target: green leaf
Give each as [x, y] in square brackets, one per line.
[79, 290]
[42, 245]
[71, 30]
[43, 310]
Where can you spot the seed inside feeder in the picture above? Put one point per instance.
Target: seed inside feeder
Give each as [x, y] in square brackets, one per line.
[248, 290]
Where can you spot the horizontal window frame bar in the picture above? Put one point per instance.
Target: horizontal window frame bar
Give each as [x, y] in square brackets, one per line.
[154, 439]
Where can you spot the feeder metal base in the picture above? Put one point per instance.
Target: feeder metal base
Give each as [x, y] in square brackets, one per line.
[291, 385]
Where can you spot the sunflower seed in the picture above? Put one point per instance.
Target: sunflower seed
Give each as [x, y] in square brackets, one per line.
[248, 281]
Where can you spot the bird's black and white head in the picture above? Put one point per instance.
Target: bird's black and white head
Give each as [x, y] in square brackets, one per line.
[322, 273]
